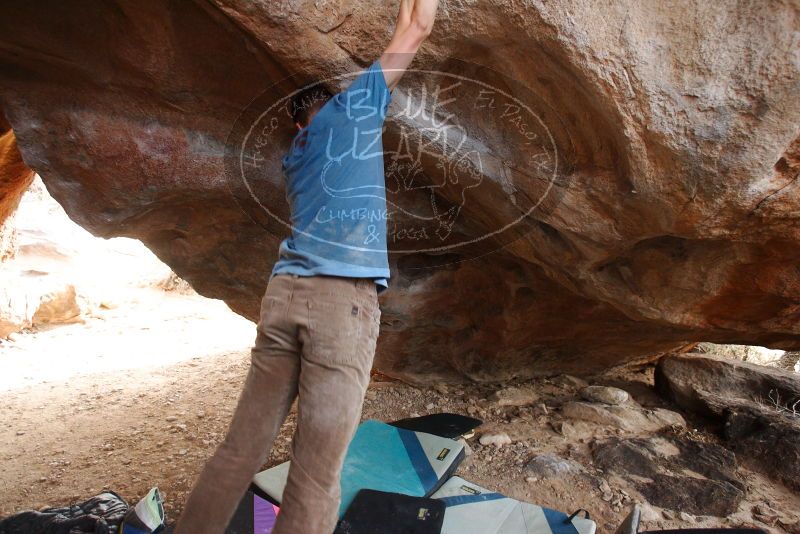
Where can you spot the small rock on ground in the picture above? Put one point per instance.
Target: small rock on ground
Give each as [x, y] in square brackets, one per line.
[569, 381]
[514, 396]
[498, 439]
[552, 466]
[605, 394]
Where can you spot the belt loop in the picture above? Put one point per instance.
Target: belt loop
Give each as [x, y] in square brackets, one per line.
[291, 288]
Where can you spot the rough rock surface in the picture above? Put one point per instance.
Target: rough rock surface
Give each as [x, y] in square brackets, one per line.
[515, 396]
[605, 394]
[58, 307]
[630, 417]
[759, 407]
[745, 353]
[790, 361]
[36, 300]
[552, 466]
[697, 381]
[676, 473]
[15, 177]
[14, 315]
[667, 135]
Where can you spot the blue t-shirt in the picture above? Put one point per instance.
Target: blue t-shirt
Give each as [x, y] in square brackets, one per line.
[336, 188]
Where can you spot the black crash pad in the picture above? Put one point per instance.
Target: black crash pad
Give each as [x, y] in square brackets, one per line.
[446, 425]
[391, 513]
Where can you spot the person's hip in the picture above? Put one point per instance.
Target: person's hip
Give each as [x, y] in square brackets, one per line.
[336, 319]
[302, 290]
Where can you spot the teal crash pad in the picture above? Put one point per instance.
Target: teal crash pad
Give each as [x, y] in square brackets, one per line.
[384, 458]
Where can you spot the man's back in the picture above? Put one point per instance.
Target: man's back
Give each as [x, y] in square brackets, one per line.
[336, 189]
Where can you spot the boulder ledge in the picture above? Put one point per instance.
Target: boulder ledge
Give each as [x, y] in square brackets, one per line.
[667, 134]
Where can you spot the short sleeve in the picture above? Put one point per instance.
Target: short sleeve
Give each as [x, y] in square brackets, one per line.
[368, 95]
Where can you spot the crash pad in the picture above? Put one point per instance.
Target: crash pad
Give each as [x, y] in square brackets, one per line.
[255, 514]
[447, 425]
[391, 513]
[471, 509]
[384, 458]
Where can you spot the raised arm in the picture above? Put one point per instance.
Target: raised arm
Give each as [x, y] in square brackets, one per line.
[414, 25]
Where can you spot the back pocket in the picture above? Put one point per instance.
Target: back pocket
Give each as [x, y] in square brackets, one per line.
[334, 329]
[272, 308]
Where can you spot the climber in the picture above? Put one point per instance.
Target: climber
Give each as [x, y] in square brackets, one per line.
[319, 316]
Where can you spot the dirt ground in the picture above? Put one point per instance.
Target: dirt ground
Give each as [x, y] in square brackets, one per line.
[154, 420]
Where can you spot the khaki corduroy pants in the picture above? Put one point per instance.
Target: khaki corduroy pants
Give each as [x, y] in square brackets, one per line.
[315, 341]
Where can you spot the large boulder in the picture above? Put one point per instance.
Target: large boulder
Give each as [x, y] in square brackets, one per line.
[57, 307]
[745, 353]
[694, 380]
[636, 188]
[14, 312]
[36, 300]
[15, 177]
[759, 407]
